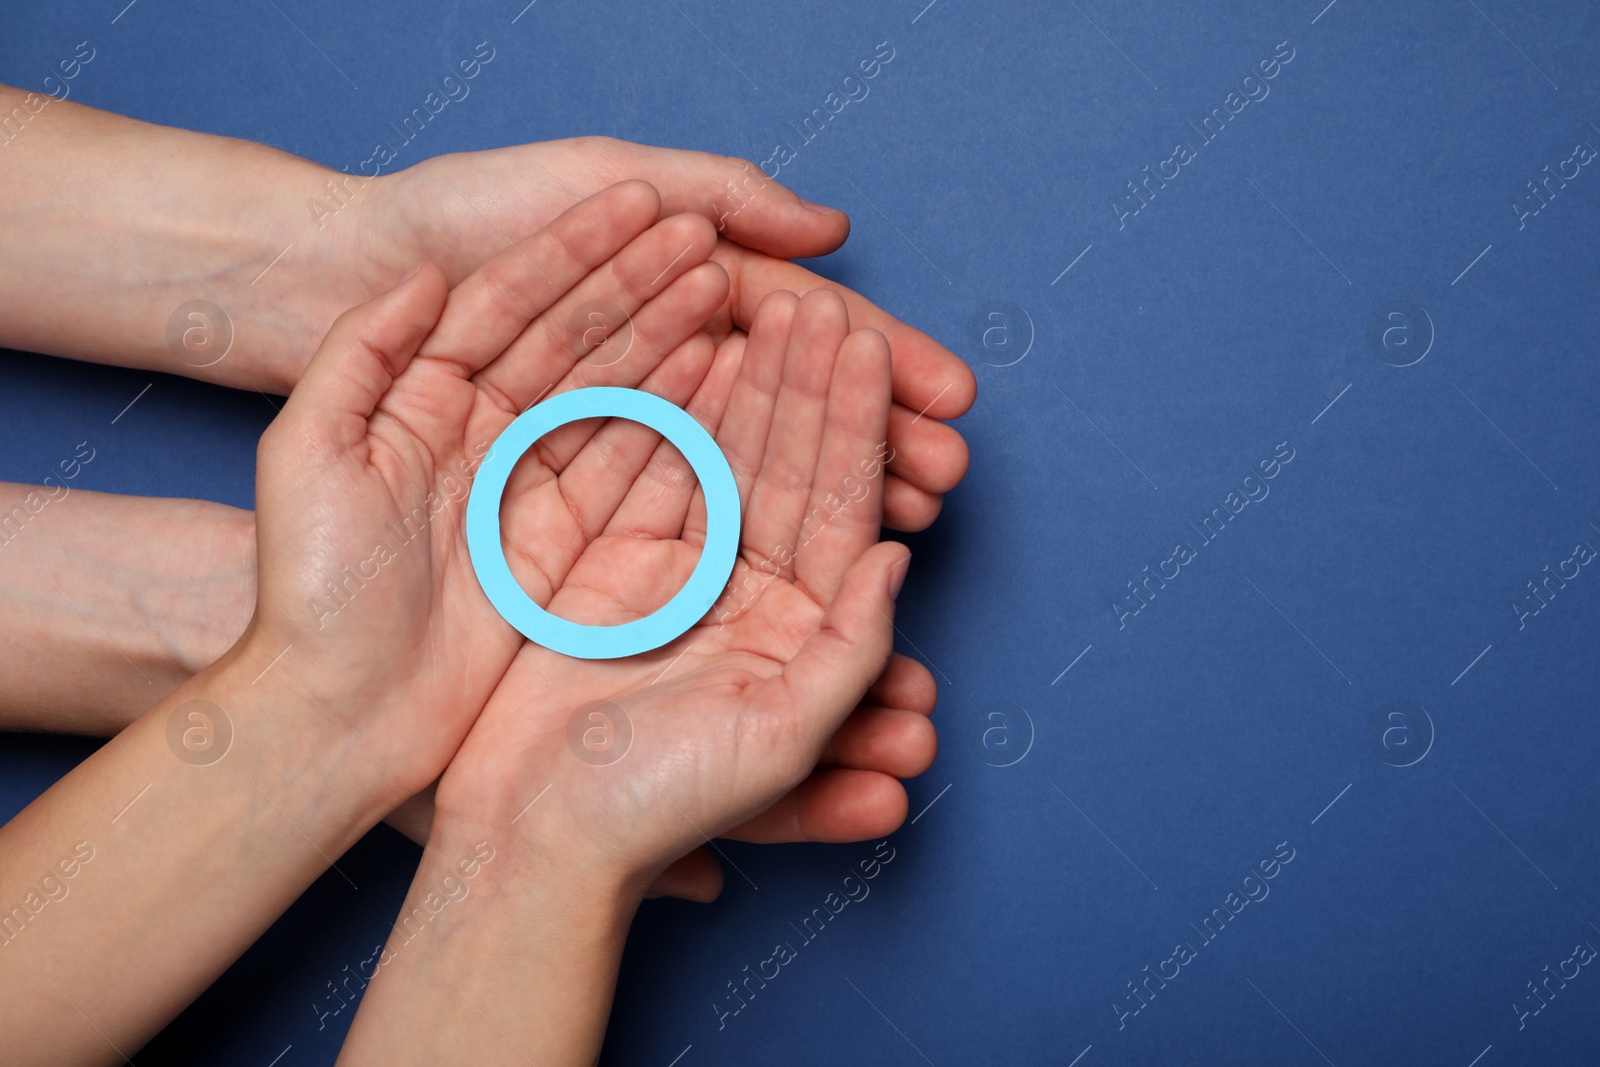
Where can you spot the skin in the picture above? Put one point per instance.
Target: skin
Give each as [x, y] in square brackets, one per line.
[722, 722]
[336, 718]
[344, 720]
[142, 594]
[853, 796]
[137, 594]
[134, 220]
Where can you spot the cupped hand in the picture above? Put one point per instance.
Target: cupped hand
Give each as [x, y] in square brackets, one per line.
[366, 595]
[451, 208]
[728, 723]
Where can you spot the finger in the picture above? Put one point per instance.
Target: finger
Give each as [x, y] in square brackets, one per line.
[748, 423]
[905, 683]
[697, 876]
[845, 512]
[733, 193]
[907, 508]
[893, 741]
[657, 504]
[927, 453]
[928, 380]
[414, 818]
[928, 377]
[367, 348]
[658, 329]
[832, 806]
[554, 342]
[542, 541]
[608, 467]
[837, 664]
[671, 319]
[491, 307]
[781, 495]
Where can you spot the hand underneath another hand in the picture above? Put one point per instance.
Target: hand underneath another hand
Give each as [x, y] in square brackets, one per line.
[449, 209]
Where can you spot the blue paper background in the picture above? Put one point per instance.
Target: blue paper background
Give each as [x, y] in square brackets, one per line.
[1182, 347]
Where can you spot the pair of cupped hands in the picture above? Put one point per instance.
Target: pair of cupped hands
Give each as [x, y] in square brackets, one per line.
[783, 715]
[373, 678]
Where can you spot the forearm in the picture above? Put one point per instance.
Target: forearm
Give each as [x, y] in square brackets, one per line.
[108, 603]
[128, 221]
[502, 954]
[137, 879]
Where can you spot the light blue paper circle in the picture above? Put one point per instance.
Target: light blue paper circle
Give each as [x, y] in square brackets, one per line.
[680, 613]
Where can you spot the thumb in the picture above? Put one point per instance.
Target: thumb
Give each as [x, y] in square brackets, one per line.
[366, 349]
[834, 668]
[745, 204]
[697, 876]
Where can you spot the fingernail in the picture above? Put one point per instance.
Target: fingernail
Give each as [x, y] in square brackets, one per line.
[820, 209]
[897, 577]
[412, 273]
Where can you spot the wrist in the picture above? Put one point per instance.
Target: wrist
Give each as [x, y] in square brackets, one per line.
[488, 931]
[224, 224]
[529, 877]
[276, 265]
[197, 589]
[258, 721]
[326, 256]
[138, 594]
[534, 834]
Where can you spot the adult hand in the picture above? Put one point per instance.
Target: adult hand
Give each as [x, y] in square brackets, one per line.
[276, 247]
[449, 208]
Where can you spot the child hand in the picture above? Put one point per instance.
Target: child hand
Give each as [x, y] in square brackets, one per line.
[366, 589]
[735, 714]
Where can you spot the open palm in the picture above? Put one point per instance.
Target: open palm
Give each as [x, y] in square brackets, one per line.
[734, 715]
[366, 586]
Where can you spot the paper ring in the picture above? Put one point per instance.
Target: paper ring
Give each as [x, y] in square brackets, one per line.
[680, 613]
